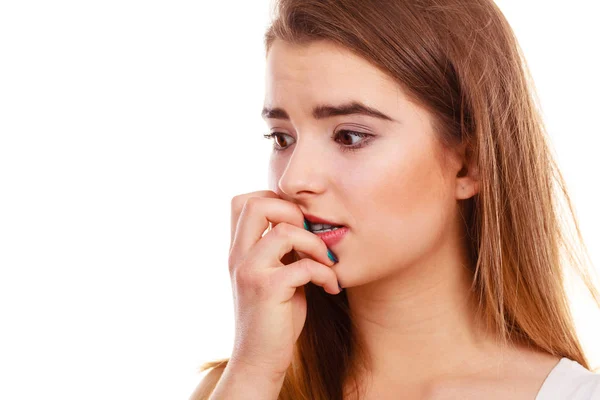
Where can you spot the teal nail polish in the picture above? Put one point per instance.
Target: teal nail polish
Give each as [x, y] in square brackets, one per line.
[331, 256]
[305, 225]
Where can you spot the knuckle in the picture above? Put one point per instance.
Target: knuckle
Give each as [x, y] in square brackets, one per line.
[243, 276]
[306, 264]
[251, 202]
[250, 281]
[242, 201]
[283, 229]
[231, 261]
[237, 202]
[239, 265]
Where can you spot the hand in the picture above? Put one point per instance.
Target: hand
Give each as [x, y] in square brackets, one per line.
[267, 278]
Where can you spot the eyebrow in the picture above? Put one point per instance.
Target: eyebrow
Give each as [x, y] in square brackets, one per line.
[328, 110]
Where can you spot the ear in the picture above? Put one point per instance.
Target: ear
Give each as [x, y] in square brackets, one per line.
[467, 177]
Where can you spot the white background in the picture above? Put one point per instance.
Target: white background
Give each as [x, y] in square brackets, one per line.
[126, 128]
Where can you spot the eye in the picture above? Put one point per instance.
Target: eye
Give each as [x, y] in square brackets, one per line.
[346, 134]
[343, 133]
[275, 136]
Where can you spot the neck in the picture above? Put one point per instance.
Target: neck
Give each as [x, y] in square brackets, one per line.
[420, 323]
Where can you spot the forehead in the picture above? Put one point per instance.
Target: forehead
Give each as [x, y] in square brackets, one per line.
[323, 71]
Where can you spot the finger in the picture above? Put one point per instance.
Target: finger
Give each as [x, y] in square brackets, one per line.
[237, 205]
[306, 270]
[285, 238]
[255, 217]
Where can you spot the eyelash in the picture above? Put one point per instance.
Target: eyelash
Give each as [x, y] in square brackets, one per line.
[342, 147]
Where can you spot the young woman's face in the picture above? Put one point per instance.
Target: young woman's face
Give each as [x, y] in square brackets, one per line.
[390, 187]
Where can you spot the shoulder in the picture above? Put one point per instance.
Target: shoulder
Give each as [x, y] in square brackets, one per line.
[518, 376]
[207, 384]
[570, 380]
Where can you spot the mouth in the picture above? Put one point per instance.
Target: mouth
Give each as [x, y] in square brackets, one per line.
[317, 224]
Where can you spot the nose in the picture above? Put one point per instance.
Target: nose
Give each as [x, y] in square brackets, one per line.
[305, 172]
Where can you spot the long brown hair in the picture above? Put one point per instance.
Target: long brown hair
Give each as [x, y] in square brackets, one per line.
[461, 61]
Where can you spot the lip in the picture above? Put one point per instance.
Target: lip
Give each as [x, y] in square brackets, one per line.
[316, 220]
[331, 238]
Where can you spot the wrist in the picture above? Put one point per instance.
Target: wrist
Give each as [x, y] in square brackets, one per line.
[241, 380]
[256, 371]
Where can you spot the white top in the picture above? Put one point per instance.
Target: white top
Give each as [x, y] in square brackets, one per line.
[570, 380]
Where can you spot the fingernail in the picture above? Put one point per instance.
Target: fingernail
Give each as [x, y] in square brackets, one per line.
[331, 256]
[305, 225]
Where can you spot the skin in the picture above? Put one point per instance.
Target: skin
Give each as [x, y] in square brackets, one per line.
[403, 261]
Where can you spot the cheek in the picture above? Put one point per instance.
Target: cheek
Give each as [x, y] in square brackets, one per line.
[402, 209]
[399, 187]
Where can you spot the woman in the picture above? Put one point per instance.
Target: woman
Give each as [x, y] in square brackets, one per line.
[412, 125]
